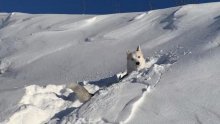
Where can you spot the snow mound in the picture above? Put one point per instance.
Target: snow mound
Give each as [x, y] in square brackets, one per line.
[39, 104]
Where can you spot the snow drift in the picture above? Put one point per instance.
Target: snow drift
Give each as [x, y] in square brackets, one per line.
[41, 54]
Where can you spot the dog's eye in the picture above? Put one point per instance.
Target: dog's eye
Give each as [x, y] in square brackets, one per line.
[139, 57]
[132, 59]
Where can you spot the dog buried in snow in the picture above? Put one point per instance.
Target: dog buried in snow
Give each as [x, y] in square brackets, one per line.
[135, 62]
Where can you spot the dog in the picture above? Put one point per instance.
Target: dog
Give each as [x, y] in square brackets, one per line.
[81, 93]
[135, 62]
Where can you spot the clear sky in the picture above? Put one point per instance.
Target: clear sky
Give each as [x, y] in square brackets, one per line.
[89, 6]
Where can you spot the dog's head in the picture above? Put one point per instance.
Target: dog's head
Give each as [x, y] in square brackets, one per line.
[135, 60]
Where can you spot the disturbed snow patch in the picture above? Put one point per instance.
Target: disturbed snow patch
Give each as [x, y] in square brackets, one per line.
[118, 103]
[4, 66]
[40, 104]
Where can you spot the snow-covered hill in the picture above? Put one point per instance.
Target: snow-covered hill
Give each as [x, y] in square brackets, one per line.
[41, 54]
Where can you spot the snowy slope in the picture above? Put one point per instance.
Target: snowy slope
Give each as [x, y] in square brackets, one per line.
[40, 54]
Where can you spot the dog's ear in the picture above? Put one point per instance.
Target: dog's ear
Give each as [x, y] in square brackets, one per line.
[138, 48]
[128, 52]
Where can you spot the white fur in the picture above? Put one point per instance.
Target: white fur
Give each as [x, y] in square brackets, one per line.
[82, 94]
[133, 58]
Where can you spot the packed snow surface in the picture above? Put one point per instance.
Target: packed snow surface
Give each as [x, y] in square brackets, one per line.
[40, 54]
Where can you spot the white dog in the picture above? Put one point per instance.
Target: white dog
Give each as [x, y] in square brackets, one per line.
[82, 94]
[135, 62]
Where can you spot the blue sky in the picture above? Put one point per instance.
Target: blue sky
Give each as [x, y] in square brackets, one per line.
[89, 6]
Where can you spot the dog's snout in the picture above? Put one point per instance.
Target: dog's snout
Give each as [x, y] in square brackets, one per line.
[137, 63]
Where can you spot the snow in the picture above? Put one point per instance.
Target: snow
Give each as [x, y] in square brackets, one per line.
[41, 54]
[40, 104]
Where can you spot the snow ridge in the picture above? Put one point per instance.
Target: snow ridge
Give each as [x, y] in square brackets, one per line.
[4, 22]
